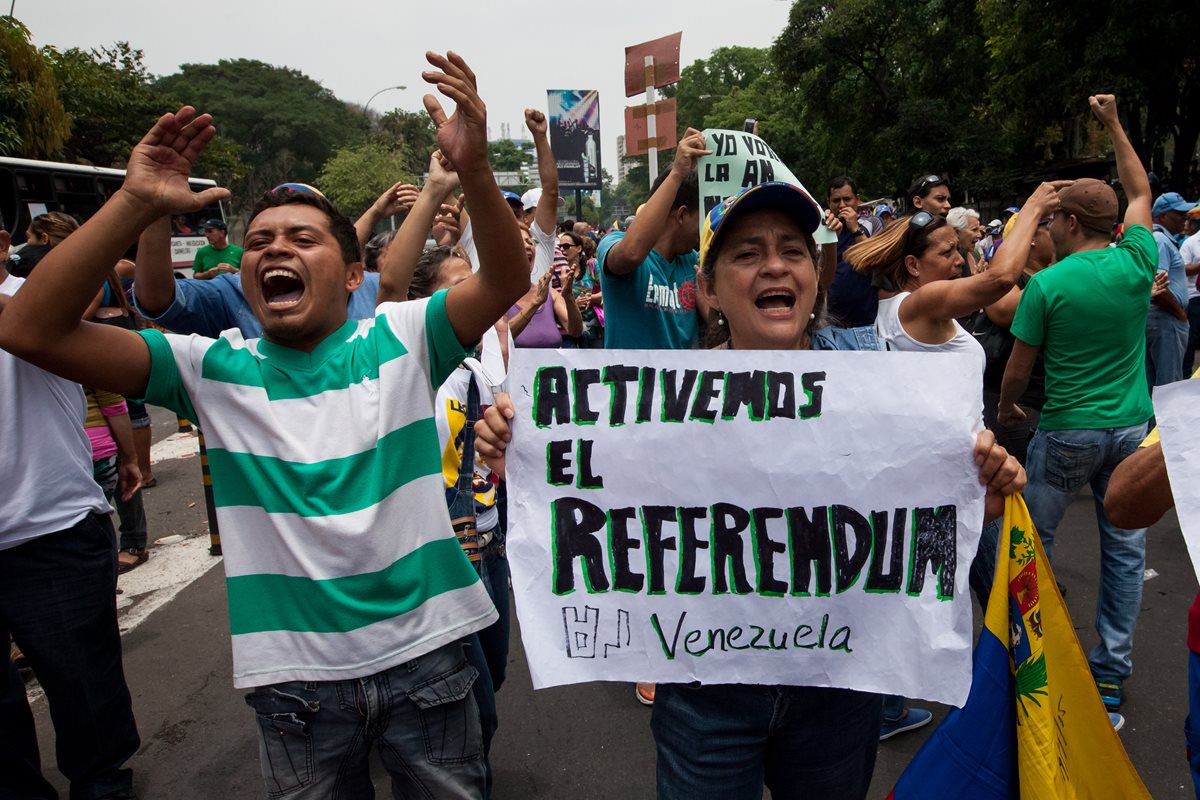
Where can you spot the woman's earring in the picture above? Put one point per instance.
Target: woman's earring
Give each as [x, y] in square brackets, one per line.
[720, 319]
[812, 316]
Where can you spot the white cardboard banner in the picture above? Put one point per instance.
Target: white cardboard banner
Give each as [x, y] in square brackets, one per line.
[800, 518]
[738, 160]
[1177, 410]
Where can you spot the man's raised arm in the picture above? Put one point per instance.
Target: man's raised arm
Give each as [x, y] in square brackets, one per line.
[153, 278]
[396, 274]
[1129, 167]
[628, 254]
[546, 215]
[399, 197]
[42, 323]
[475, 304]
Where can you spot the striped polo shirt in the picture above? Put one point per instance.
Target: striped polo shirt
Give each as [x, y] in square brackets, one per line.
[339, 557]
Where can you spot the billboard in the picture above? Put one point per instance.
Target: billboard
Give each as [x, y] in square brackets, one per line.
[575, 136]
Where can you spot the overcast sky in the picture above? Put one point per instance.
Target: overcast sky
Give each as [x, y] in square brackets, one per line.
[356, 47]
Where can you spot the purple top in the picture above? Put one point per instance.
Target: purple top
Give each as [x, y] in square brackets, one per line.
[542, 330]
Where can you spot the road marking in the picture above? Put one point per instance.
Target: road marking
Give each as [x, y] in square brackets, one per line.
[175, 561]
[177, 445]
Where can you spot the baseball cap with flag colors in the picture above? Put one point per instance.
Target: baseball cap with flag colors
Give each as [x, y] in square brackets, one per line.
[792, 200]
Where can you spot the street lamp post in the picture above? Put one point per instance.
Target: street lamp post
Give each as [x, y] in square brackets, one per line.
[381, 91]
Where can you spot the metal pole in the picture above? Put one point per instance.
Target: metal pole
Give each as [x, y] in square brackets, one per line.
[210, 505]
[578, 204]
[651, 127]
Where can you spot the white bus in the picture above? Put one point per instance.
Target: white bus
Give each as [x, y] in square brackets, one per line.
[29, 188]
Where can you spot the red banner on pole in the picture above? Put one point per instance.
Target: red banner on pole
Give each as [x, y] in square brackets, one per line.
[637, 140]
[665, 52]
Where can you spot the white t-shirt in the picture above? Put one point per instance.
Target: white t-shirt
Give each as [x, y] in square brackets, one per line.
[887, 323]
[339, 557]
[45, 456]
[1190, 250]
[543, 243]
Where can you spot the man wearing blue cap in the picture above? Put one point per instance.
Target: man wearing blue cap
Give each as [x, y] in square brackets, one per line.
[1167, 324]
[218, 255]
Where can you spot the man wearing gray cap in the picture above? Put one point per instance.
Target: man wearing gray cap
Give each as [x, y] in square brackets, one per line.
[1086, 316]
[1167, 324]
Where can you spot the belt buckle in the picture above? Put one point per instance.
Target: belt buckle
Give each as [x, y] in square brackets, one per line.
[468, 538]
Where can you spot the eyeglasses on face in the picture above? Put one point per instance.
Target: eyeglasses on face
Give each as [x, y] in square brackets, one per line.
[565, 245]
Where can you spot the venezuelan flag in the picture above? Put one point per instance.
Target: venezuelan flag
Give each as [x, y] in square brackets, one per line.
[1033, 726]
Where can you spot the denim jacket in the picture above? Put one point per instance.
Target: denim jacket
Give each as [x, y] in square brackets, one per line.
[834, 338]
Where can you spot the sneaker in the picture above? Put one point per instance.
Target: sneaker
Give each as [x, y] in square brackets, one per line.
[1117, 720]
[645, 693]
[913, 718]
[1110, 692]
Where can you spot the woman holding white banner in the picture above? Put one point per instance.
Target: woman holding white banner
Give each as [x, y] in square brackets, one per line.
[758, 273]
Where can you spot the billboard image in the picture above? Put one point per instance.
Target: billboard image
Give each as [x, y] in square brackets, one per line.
[575, 136]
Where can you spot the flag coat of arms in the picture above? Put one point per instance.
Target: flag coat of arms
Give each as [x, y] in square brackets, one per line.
[1033, 725]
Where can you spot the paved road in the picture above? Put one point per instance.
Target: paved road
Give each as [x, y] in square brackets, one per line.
[590, 741]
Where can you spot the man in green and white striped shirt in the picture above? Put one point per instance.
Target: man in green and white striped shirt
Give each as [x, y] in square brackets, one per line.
[348, 593]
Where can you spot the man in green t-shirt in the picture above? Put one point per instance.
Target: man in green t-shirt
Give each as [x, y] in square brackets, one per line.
[218, 255]
[1087, 316]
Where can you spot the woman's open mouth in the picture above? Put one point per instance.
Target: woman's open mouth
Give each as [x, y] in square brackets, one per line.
[776, 302]
[281, 288]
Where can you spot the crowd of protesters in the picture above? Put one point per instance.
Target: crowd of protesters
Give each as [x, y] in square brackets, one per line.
[350, 386]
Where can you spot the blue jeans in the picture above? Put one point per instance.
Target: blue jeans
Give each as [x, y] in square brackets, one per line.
[1166, 341]
[421, 715]
[1060, 464]
[725, 741]
[487, 650]
[1191, 725]
[983, 566]
[1193, 341]
[56, 599]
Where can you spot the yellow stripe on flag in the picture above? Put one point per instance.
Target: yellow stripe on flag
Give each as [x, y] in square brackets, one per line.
[1066, 747]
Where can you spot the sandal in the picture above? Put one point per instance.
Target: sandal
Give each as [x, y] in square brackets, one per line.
[149, 483]
[140, 555]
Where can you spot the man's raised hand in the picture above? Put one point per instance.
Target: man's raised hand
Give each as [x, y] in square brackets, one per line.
[688, 151]
[441, 173]
[400, 196]
[1104, 106]
[462, 137]
[158, 168]
[536, 121]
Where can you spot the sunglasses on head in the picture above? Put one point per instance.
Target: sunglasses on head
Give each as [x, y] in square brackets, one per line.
[927, 182]
[917, 221]
[920, 219]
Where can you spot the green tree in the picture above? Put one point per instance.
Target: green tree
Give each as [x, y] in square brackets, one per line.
[707, 83]
[885, 91]
[110, 98]
[1043, 67]
[508, 156]
[285, 124]
[356, 175]
[413, 131]
[33, 122]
